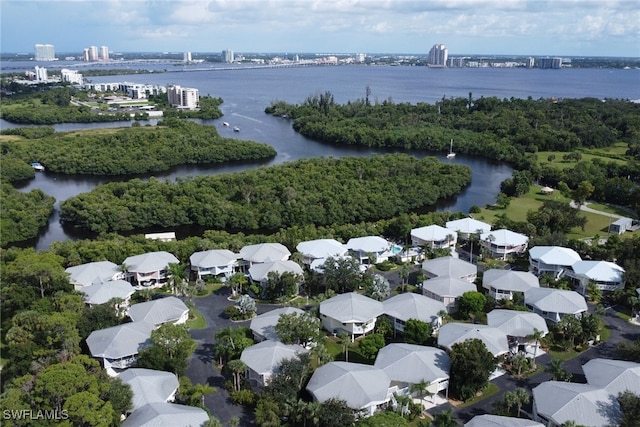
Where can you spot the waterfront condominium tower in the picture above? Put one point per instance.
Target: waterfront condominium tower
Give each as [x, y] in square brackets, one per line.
[438, 56]
[45, 52]
[104, 53]
[227, 55]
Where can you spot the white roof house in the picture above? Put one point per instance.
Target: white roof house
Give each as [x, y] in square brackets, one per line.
[409, 305]
[312, 250]
[503, 243]
[447, 290]
[162, 414]
[263, 326]
[501, 284]
[92, 273]
[450, 267]
[362, 387]
[263, 358]
[517, 323]
[410, 364]
[553, 304]
[264, 252]
[556, 402]
[615, 376]
[361, 247]
[159, 311]
[215, 262]
[149, 269]
[552, 260]
[500, 421]
[103, 292]
[467, 226]
[434, 236]
[150, 386]
[118, 346]
[493, 338]
[607, 275]
[259, 273]
[350, 312]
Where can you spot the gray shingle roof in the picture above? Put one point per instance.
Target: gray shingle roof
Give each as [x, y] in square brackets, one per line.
[213, 258]
[149, 262]
[500, 421]
[582, 403]
[615, 376]
[517, 323]
[410, 305]
[493, 338]
[101, 293]
[166, 415]
[265, 323]
[93, 272]
[267, 355]
[264, 252]
[412, 363]
[359, 385]
[555, 300]
[351, 307]
[509, 280]
[149, 386]
[159, 311]
[120, 341]
[449, 266]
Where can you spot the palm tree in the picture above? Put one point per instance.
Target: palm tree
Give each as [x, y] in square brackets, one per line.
[403, 403]
[238, 367]
[537, 335]
[519, 361]
[421, 387]
[404, 274]
[445, 419]
[522, 397]
[345, 339]
[176, 275]
[557, 371]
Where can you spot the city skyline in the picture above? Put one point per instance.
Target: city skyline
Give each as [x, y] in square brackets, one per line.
[504, 27]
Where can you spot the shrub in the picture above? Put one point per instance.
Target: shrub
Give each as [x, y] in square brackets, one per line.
[243, 397]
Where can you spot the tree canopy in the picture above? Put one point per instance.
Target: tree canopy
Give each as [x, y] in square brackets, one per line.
[471, 366]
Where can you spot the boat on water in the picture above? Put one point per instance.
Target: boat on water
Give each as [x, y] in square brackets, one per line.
[236, 129]
[225, 124]
[37, 166]
[451, 153]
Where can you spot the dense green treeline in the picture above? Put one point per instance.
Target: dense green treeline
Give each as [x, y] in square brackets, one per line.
[507, 130]
[22, 214]
[313, 191]
[133, 150]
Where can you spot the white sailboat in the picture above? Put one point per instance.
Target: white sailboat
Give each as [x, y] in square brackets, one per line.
[451, 153]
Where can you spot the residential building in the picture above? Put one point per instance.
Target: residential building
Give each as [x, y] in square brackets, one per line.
[450, 267]
[263, 326]
[557, 402]
[554, 304]
[620, 225]
[167, 414]
[227, 56]
[103, 292]
[465, 227]
[221, 263]
[104, 53]
[71, 76]
[434, 237]
[263, 252]
[447, 290]
[493, 338]
[183, 97]
[186, 57]
[519, 326]
[259, 273]
[160, 311]
[350, 312]
[362, 387]
[150, 386]
[320, 249]
[553, 260]
[615, 376]
[86, 55]
[41, 74]
[264, 358]
[93, 53]
[150, 269]
[45, 52]
[501, 421]
[606, 275]
[554, 63]
[456, 62]
[402, 307]
[370, 249]
[504, 243]
[502, 284]
[438, 56]
[92, 273]
[118, 346]
[408, 364]
[531, 62]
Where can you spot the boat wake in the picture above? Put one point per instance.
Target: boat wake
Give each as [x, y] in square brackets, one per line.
[246, 117]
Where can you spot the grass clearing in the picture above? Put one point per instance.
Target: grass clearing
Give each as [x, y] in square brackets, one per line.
[196, 320]
[615, 153]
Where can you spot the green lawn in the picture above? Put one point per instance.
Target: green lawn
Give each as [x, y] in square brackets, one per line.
[490, 390]
[616, 153]
[196, 320]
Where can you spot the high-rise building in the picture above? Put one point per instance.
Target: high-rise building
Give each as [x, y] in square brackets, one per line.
[360, 57]
[104, 53]
[41, 74]
[183, 97]
[93, 53]
[438, 56]
[227, 55]
[531, 62]
[456, 62]
[85, 54]
[71, 76]
[45, 52]
[554, 63]
[187, 57]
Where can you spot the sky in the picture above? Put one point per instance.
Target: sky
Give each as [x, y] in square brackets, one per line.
[498, 27]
